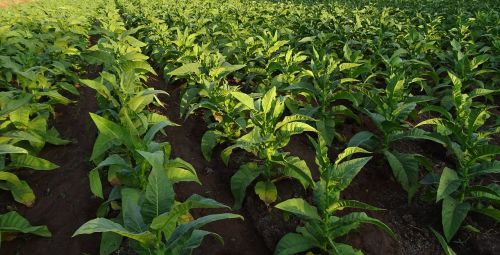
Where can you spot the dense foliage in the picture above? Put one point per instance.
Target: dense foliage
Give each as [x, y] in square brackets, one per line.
[260, 72]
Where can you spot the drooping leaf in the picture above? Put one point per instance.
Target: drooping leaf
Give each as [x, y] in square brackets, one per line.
[293, 243]
[299, 207]
[266, 191]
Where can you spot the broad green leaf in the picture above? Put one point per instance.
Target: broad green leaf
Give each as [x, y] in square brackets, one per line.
[32, 162]
[268, 99]
[245, 99]
[110, 242]
[208, 142]
[14, 222]
[266, 191]
[347, 170]
[11, 149]
[159, 195]
[298, 169]
[448, 183]
[245, 175]
[102, 225]
[300, 208]
[22, 193]
[453, 214]
[131, 211]
[293, 243]
[179, 170]
[191, 68]
[405, 169]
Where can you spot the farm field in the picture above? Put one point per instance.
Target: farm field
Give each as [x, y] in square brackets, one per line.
[249, 127]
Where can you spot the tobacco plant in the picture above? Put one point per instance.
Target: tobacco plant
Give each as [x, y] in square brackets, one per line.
[152, 220]
[389, 110]
[467, 139]
[321, 226]
[269, 133]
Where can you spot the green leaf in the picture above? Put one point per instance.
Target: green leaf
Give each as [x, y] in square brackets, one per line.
[14, 222]
[299, 207]
[405, 169]
[15, 104]
[295, 128]
[298, 169]
[361, 217]
[343, 204]
[245, 99]
[448, 183]
[360, 139]
[266, 191]
[11, 149]
[326, 128]
[32, 162]
[245, 175]
[131, 211]
[489, 211]
[349, 151]
[179, 170]
[22, 193]
[347, 66]
[453, 214]
[102, 225]
[186, 229]
[446, 248]
[159, 195]
[293, 243]
[196, 239]
[112, 130]
[110, 242]
[191, 68]
[170, 218]
[208, 142]
[268, 99]
[95, 183]
[347, 170]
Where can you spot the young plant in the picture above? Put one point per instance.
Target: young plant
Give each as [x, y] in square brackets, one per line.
[152, 220]
[389, 112]
[212, 91]
[268, 135]
[326, 82]
[467, 138]
[321, 227]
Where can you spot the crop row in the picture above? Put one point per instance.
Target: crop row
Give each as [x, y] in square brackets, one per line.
[40, 58]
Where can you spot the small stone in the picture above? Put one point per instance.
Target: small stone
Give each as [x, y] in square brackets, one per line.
[209, 170]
